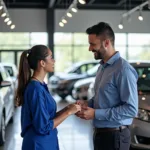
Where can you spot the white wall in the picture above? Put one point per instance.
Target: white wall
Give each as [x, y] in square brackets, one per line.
[26, 20]
[34, 20]
[86, 18]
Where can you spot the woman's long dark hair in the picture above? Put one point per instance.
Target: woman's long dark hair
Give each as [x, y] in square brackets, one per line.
[29, 60]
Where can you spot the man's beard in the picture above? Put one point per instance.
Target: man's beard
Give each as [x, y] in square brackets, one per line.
[99, 54]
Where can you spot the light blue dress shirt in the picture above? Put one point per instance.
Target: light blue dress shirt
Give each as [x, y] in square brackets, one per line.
[116, 96]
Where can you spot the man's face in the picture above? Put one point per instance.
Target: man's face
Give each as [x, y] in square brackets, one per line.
[96, 46]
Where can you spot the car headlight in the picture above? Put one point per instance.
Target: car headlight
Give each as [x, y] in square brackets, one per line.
[143, 115]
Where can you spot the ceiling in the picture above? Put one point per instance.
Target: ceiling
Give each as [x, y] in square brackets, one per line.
[63, 4]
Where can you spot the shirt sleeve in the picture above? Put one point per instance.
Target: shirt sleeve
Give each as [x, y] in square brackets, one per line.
[127, 88]
[40, 116]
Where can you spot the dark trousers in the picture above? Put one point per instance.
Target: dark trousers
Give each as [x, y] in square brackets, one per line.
[112, 140]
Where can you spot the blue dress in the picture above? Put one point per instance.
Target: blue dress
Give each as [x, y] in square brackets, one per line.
[37, 114]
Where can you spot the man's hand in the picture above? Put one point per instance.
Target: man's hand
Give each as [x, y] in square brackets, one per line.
[86, 113]
[82, 103]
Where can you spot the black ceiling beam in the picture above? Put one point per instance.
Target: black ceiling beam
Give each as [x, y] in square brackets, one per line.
[58, 2]
[121, 2]
[91, 1]
[51, 3]
[100, 7]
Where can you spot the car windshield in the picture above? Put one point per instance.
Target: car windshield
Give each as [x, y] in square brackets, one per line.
[144, 78]
[93, 70]
[72, 68]
[9, 70]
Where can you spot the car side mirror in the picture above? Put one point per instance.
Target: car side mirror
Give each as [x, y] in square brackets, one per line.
[5, 84]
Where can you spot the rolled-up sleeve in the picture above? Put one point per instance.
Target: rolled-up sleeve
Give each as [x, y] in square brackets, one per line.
[127, 88]
[40, 117]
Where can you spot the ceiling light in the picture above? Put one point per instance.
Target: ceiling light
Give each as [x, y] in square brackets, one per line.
[82, 2]
[69, 14]
[1, 7]
[74, 9]
[9, 22]
[12, 26]
[61, 24]
[3, 14]
[120, 26]
[6, 19]
[64, 20]
[140, 17]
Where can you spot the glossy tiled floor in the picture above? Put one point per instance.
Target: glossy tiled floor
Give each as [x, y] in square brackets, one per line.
[74, 133]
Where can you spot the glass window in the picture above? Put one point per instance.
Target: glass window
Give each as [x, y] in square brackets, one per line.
[89, 66]
[9, 70]
[93, 70]
[7, 57]
[4, 75]
[63, 57]
[139, 53]
[14, 38]
[14, 47]
[39, 38]
[80, 39]
[63, 38]
[122, 51]
[82, 53]
[83, 69]
[138, 39]
[120, 39]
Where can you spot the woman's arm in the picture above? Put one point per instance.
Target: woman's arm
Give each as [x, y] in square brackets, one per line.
[64, 113]
[61, 111]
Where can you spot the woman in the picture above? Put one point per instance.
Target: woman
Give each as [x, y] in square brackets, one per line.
[38, 115]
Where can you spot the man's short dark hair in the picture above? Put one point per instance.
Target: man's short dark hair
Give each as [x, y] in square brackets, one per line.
[104, 29]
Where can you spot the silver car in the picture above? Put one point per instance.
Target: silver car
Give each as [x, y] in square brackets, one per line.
[140, 128]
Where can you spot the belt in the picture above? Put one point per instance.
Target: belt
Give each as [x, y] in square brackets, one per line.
[110, 129]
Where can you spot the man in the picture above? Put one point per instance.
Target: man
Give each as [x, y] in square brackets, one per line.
[115, 102]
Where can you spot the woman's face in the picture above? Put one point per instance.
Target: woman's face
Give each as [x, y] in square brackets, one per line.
[49, 62]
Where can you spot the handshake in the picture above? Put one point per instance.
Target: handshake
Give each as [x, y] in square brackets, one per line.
[81, 109]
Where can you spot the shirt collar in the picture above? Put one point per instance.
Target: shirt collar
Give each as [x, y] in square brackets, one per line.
[115, 57]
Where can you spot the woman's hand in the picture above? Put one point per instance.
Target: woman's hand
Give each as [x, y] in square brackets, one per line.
[73, 108]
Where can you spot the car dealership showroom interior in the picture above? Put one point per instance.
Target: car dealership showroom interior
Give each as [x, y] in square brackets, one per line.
[74, 74]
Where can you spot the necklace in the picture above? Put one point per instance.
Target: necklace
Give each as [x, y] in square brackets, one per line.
[37, 79]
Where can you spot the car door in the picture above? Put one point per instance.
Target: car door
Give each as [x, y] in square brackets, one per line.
[8, 95]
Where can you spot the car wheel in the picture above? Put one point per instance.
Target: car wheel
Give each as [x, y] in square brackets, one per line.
[2, 131]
